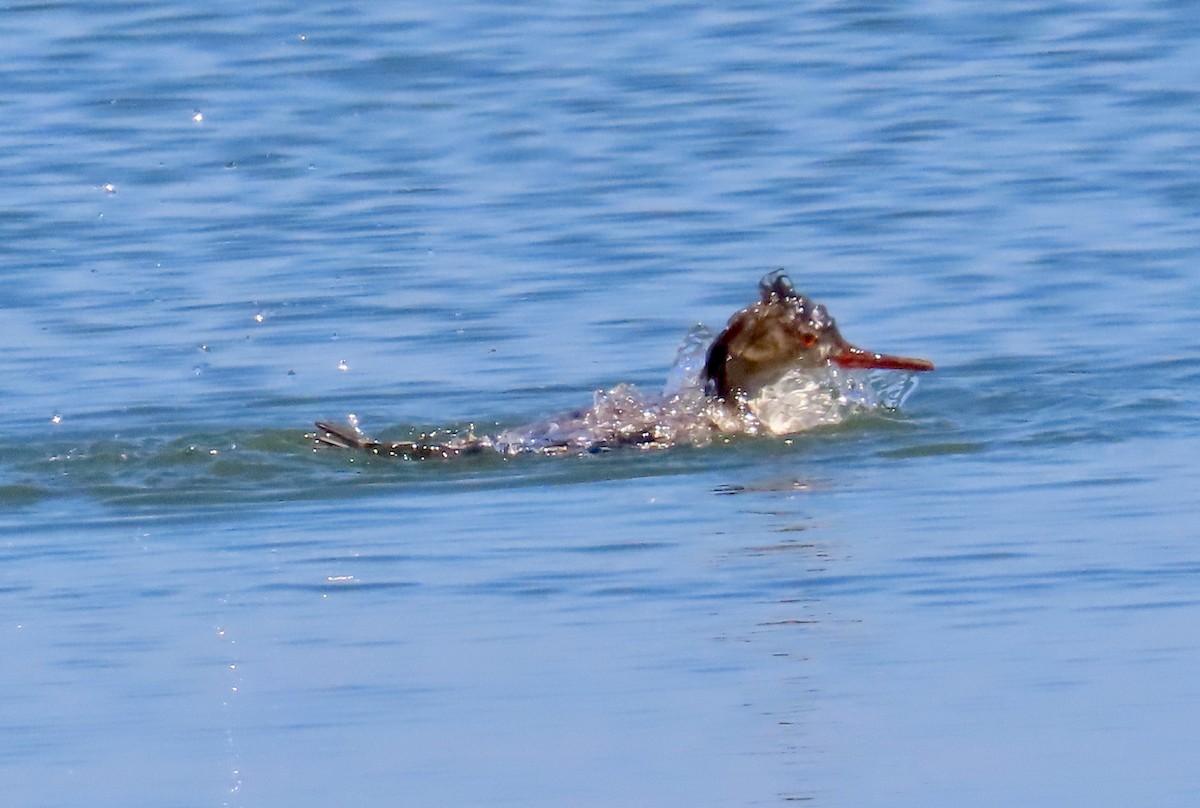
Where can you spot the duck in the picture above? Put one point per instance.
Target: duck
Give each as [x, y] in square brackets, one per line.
[781, 334]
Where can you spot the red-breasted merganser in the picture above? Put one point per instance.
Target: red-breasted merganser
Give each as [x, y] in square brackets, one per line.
[774, 369]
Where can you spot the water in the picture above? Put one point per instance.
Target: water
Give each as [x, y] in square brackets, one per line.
[486, 212]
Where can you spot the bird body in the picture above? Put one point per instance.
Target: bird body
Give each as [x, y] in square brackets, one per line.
[737, 389]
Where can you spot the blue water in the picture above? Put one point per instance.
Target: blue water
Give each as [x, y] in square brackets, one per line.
[223, 222]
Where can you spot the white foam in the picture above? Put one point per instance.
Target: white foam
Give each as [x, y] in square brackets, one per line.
[684, 415]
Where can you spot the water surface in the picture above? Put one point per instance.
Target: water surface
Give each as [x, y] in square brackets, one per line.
[224, 223]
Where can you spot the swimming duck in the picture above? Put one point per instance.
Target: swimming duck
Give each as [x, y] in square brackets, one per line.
[782, 333]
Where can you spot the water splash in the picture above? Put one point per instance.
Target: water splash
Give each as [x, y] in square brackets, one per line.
[689, 361]
[684, 414]
[802, 400]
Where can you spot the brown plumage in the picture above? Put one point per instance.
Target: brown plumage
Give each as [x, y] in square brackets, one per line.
[784, 330]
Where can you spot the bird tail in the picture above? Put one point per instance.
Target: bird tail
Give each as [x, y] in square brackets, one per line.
[342, 436]
[347, 436]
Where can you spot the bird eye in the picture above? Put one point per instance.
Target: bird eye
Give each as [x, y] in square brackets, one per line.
[808, 339]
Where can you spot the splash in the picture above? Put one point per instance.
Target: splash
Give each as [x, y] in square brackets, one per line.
[803, 400]
[683, 414]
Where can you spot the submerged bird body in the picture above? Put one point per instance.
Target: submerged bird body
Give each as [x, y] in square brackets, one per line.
[736, 389]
